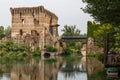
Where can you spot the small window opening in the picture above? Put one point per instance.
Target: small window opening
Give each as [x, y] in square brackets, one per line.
[23, 22]
[51, 30]
[21, 32]
[36, 22]
[45, 15]
[33, 14]
[20, 14]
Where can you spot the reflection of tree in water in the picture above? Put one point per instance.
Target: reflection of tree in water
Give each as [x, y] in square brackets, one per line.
[95, 69]
[73, 66]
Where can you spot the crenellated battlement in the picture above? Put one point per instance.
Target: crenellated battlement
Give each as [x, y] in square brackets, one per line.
[32, 10]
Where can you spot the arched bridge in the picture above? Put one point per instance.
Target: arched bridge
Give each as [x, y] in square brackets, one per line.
[73, 38]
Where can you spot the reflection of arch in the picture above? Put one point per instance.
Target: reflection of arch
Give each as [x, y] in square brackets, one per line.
[46, 55]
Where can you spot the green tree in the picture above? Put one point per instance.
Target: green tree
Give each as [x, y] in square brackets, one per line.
[1, 32]
[91, 27]
[104, 11]
[70, 31]
[7, 31]
[102, 31]
[99, 31]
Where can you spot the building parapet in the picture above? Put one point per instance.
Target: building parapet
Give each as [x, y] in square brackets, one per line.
[33, 10]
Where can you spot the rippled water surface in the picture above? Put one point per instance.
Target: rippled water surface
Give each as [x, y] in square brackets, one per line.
[54, 68]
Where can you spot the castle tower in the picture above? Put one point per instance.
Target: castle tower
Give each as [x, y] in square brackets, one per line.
[26, 20]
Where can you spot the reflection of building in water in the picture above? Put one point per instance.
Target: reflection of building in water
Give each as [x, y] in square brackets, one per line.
[83, 62]
[48, 70]
[94, 65]
[41, 71]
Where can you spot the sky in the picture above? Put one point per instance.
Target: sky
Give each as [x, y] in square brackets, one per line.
[68, 12]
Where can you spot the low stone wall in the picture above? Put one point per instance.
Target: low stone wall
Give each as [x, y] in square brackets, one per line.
[83, 50]
[92, 48]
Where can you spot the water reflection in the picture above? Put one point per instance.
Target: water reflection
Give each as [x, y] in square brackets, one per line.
[96, 70]
[73, 69]
[58, 68]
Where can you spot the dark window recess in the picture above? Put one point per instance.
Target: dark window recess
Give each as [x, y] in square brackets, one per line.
[23, 22]
[51, 30]
[21, 32]
[33, 14]
[36, 22]
[33, 32]
[20, 14]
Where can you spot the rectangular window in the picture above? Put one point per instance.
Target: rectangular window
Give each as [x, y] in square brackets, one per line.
[21, 32]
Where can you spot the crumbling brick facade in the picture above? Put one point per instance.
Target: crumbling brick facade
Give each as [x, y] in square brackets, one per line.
[35, 21]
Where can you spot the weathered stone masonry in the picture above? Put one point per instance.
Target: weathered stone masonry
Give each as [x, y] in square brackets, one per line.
[34, 21]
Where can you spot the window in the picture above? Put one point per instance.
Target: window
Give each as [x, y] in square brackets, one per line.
[36, 22]
[20, 14]
[21, 32]
[33, 14]
[23, 22]
[51, 30]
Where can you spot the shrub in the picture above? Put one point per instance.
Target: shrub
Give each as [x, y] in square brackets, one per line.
[68, 51]
[51, 49]
[100, 56]
[90, 55]
[13, 51]
[36, 52]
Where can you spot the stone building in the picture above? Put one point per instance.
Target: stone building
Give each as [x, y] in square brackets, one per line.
[36, 25]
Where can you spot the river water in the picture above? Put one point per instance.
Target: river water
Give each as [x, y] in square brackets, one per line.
[55, 68]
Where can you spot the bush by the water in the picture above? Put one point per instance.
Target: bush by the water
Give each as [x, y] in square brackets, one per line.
[14, 51]
[68, 51]
[91, 55]
[37, 52]
[99, 56]
[51, 49]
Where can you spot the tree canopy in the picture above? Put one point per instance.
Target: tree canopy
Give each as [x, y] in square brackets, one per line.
[70, 31]
[99, 31]
[4, 32]
[1, 32]
[91, 27]
[104, 11]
